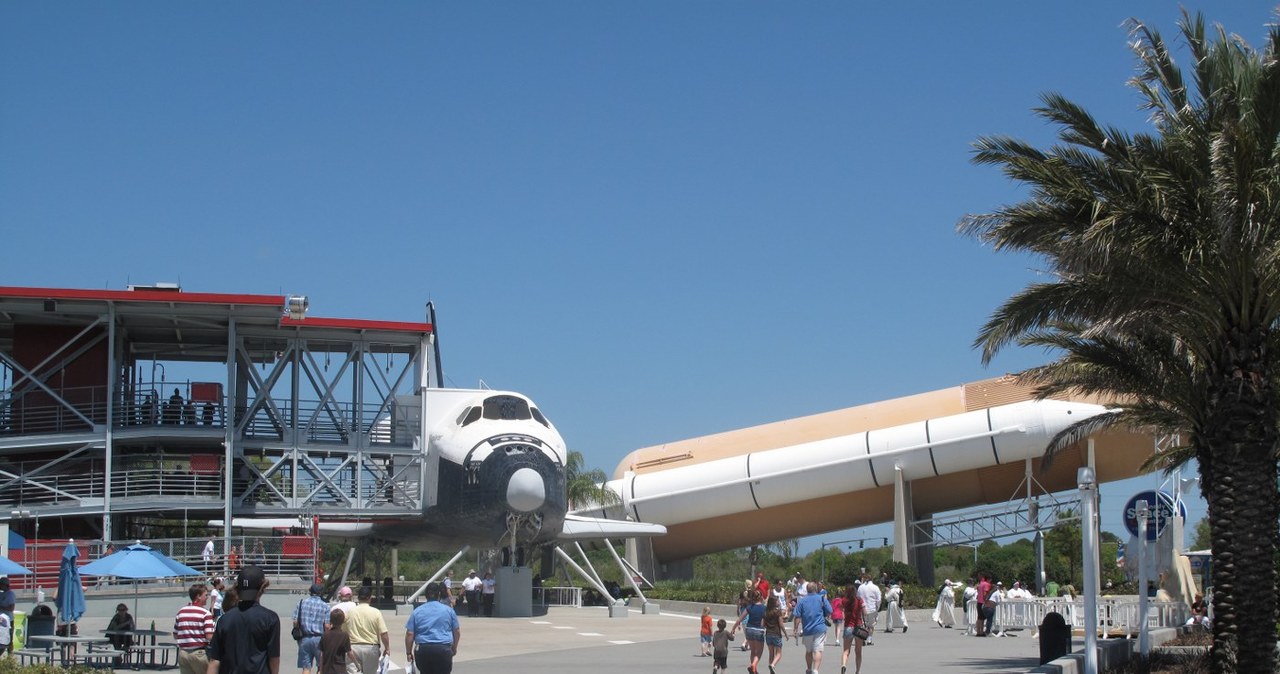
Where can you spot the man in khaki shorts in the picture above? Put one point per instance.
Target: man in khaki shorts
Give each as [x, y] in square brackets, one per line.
[368, 631]
[192, 629]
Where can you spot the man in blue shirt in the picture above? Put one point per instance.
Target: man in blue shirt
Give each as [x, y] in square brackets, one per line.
[311, 614]
[432, 634]
[811, 612]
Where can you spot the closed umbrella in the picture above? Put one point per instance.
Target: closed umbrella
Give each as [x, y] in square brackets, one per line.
[8, 567]
[70, 599]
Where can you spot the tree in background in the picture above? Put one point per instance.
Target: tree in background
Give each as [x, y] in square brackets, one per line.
[1203, 539]
[1163, 291]
[586, 486]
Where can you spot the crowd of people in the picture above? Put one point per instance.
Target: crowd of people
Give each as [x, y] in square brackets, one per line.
[229, 632]
[980, 601]
[771, 614]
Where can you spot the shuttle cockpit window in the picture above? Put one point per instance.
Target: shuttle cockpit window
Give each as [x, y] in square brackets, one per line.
[537, 416]
[469, 416]
[506, 408]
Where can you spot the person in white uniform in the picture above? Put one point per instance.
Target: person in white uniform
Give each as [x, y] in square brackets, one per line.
[897, 616]
[944, 612]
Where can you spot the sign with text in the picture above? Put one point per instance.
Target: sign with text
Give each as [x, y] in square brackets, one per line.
[1161, 508]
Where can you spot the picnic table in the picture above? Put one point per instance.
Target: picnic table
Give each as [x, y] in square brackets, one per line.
[145, 649]
[68, 650]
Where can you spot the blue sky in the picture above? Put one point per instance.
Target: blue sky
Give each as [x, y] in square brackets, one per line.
[659, 219]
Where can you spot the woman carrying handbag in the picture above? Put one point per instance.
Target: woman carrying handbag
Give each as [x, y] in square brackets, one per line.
[855, 631]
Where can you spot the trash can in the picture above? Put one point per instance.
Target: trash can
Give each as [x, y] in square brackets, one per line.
[1055, 637]
[19, 630]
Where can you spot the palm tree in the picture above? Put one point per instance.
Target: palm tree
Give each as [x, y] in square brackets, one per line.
[586, 486]
[1163, 290]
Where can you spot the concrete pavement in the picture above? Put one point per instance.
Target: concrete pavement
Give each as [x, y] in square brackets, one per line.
[567, 640]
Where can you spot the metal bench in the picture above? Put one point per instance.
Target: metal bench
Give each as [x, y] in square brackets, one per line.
[99, 658]
[30, 656]
[154, 655]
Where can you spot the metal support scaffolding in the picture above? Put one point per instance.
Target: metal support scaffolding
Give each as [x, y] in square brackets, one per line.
[276, 431]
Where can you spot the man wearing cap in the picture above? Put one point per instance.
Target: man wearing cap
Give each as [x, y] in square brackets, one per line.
[471, 588]
[192, 629]
[431, 636]
[345, 603]
[8, 602]
[368, 632]
[247, 638]
[311, 614]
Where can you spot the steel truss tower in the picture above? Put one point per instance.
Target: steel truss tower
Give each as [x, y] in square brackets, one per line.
[119, 407]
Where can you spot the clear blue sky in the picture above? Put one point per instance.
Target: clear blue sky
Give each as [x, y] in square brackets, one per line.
[659, 219]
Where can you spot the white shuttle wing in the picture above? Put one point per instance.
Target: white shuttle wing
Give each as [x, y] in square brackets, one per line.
[581, 528]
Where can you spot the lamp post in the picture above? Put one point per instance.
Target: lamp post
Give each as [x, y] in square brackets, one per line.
[1144, 512]
[1088, 485]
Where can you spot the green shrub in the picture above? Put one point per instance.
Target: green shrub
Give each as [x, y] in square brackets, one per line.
[701, 591]
[10, 665]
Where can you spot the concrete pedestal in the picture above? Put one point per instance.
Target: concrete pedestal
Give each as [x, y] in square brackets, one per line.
[617, 610]
[650, 608]
[513, 592]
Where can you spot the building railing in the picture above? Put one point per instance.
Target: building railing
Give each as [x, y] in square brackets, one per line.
[140, 480]
[37, 413]
[291, 556]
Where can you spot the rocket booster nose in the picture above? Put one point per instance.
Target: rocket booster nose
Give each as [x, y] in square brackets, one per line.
[526, 491]
[1057, 415]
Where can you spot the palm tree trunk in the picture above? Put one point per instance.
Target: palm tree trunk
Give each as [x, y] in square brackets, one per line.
[1238, 478]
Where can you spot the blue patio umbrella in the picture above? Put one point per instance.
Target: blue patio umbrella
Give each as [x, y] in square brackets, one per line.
[8, 567]
[138, 562]
[70, 599]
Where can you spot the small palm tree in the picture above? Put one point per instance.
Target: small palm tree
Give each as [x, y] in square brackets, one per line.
[1164, 291]
[586, 486]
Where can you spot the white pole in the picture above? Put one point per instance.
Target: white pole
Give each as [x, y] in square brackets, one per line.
[1088, 485]
[1144, 645]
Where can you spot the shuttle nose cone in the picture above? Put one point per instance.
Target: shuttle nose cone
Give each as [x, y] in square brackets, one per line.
[526, 491]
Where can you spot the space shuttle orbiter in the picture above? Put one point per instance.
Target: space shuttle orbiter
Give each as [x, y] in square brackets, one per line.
[495, 469]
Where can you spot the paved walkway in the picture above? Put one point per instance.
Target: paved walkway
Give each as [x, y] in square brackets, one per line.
[587, 640]
[569, 640]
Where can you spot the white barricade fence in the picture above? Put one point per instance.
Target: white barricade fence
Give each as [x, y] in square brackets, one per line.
[559, 596]
[1115, 614]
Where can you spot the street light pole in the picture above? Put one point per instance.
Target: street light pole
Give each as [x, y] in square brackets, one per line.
[1088, 485]
[1144, 512]
[822, 550]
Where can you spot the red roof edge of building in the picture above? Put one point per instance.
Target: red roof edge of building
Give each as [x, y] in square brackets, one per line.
[355, 324]
[168, 296]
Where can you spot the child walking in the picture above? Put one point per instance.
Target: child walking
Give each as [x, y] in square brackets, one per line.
[704, 635]
[720, 644]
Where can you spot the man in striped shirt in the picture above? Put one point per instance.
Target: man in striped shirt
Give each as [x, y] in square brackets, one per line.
[192, 629]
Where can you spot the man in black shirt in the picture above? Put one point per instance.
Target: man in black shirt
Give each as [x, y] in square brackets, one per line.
[247, 638]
